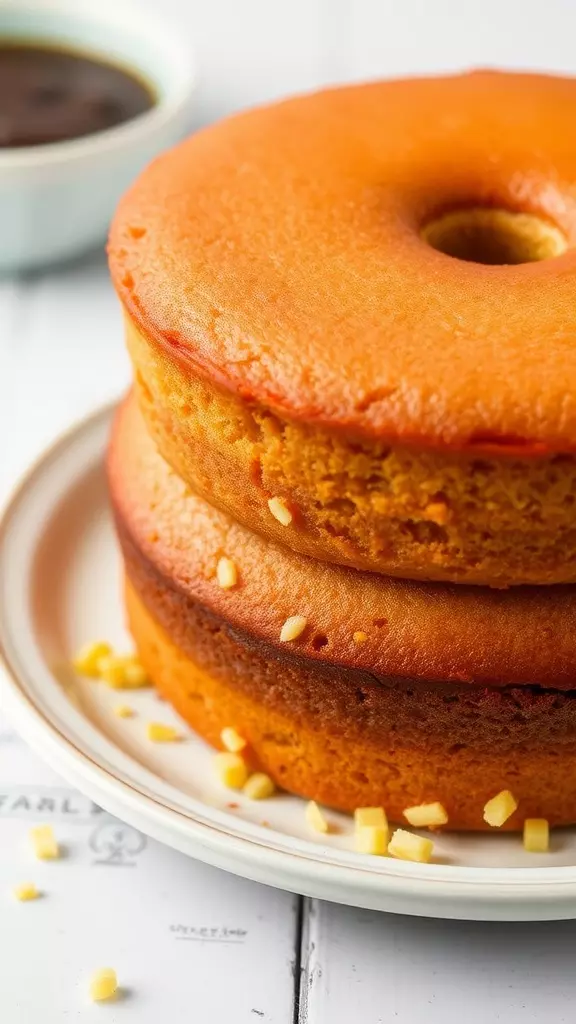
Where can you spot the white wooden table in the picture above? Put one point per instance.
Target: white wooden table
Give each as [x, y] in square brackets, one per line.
[189, 943]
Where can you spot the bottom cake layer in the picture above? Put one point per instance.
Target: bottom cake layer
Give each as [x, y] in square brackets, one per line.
[346, 739]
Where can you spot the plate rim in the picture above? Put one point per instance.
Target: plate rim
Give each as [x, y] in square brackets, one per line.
[467, 892]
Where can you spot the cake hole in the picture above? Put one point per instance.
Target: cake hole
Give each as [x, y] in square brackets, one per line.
[494, 236]
[319, 641]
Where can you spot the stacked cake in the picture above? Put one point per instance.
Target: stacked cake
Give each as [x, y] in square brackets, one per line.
[345, 482]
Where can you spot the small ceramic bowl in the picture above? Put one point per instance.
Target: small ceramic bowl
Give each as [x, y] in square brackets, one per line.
[56, 200]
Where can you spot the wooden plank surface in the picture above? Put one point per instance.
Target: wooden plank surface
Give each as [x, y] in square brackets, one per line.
[189, 943]
[386, 969]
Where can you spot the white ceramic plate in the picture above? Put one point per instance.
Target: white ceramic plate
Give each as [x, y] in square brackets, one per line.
[59, 587]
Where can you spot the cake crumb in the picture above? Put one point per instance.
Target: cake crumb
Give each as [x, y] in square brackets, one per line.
[370, 816]
[406, 846]
[316, 818]
[123, 711]
[226, 573]
[26, 891]
[232, 740]
[86, 661]
[280, 511]
[135, 675]
[103, 984]
[536, 835]
[259, 787]
[231, 769]
[426, 815]
[44, 842]
[112, 670]
[159, 733]
[293, 628]
[372, 839]
[500, 808]
[359, 637]
[123, 672]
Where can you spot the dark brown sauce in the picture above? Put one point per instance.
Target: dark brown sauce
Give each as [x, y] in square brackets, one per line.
[50, 95]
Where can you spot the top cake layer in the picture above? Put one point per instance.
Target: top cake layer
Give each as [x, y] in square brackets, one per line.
[279, 253]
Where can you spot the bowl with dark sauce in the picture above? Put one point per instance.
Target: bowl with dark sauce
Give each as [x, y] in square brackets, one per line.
[89, 93]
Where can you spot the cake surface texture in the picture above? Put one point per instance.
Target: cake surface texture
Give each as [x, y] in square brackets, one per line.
[361, 302]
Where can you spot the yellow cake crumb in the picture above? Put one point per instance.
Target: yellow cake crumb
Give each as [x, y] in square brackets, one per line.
[371, 839]
[86, 660]
[103, 984]
[122, 672]
[426, 815]
[231, 769]
[135, 675]
[370, 816]
[232, 740]
[316, 818]
[536, 835]
[226, 573]
[123, 711]
[406, 846]
[280, 511]
[359, 637]
[25, 892]
[159, 733]
[293, 628]
[44, 842]
[112, 670]
[259, 786]
[500, 808]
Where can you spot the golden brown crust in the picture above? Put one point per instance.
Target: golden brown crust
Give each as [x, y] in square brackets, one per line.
[435, 633]
[347, 739]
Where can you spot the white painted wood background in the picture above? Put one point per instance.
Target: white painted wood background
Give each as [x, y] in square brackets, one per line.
[250, 51]
[61, 354]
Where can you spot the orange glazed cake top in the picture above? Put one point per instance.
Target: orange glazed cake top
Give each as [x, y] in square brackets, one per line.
[300, 255]
[434, 633]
